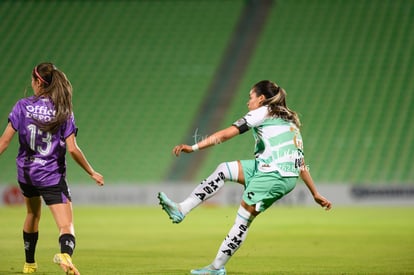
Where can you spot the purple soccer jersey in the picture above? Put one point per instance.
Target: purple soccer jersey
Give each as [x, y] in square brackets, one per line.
[41, 157]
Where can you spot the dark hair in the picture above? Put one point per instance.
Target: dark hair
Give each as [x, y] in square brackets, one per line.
[57, 87]
[276, 101]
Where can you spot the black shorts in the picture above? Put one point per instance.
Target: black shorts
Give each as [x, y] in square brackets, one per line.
[54, 194]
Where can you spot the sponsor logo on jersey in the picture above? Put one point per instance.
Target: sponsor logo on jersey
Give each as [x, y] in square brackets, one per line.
[41, 113]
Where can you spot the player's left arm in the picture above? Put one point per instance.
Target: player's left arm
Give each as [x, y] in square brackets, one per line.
[80, 158]
[6, 137]
[307, 179]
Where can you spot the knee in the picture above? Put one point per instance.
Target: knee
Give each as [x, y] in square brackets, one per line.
[31, 223]
[250, 208]
[222, 167]
[34, 216]
[228, 171]
[223, 172]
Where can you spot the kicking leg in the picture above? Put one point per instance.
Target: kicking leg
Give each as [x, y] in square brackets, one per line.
[206, 189]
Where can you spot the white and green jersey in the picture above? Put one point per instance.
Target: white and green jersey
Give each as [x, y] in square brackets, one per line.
[279, 145]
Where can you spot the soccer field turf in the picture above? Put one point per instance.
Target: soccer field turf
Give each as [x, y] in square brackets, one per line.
[283, 240]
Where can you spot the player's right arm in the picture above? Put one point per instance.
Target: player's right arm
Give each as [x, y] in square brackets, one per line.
[6, 138]
[214, 139]
[251, 119]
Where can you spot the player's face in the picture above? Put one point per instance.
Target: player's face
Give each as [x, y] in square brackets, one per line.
[254, 101]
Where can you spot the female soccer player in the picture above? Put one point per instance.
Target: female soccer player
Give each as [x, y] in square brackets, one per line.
[46, 129]
[267, 178]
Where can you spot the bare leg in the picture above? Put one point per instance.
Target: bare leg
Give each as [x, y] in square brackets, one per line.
[63, 216]
[34, 209]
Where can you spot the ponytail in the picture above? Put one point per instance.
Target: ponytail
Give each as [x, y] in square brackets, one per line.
[276, 101]
[58, 89]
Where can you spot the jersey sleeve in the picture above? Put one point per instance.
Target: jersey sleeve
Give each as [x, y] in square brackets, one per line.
[70, 127]
[14, 116]
[251, 119]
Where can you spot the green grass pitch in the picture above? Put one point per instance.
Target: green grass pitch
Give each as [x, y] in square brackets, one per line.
[283, 240]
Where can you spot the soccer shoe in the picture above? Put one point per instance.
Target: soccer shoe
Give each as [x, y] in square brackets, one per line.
[29, 268]
[65, 262]
[209, 270]
[171, 208]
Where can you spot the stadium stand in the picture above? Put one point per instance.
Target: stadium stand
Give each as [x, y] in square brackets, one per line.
[140, 70]
[347, 67]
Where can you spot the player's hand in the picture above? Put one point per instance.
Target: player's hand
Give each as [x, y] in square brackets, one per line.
[322, 201]
[98, 178]
[182, 148]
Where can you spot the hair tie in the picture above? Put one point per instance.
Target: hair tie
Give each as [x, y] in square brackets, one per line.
[40, 77]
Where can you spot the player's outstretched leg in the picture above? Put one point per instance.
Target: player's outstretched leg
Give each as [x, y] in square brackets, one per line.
[205, 190]
[209, 270]
[65, 262]
[171, 208]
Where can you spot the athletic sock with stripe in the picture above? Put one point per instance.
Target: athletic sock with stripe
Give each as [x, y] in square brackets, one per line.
[234, 239]
[210, 186]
